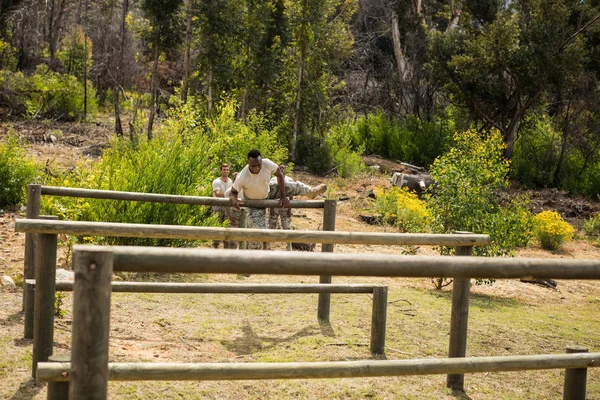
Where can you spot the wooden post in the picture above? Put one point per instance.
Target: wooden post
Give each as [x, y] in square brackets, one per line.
[378, 320]
[328, 225]
[45, 277]
[58, 390]
[243, 224]
[28, 290]
[575, 379]
[34, 194]
[459, 320]
[91, 324]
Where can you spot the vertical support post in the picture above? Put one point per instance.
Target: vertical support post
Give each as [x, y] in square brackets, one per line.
[34, 194]
[91, 324]
[58, 390]
[45, 289]
[243, 224]
[378, 320]
[575, 378]
[328, 225]
[459, 321]
[28, 289]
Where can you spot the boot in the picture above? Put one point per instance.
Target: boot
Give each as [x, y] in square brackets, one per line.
[316, 190]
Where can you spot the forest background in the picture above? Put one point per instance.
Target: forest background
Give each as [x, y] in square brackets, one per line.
[315, 83]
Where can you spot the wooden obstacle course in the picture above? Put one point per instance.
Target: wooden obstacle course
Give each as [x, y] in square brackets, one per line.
[94, 263]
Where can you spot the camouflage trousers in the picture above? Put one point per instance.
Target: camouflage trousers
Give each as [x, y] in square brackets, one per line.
[257, 216]
[223, 215]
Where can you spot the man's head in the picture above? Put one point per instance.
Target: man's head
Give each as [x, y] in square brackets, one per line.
[224, 170]
[254, 161]
[282, 167]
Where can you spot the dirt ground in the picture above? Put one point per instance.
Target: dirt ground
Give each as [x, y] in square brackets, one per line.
[137, 333]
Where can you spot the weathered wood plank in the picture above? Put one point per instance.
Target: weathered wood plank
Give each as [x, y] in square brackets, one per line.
[91, 324]
[170, 287]
[153, 259]
[170, 198]
[33, 211]
[57, 372]
[258, 235]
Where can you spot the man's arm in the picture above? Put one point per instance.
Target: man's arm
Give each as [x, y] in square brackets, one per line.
[233, 196]
[281, 182]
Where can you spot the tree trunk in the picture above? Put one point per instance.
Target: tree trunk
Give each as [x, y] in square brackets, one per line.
[119, 77]
[186, 53]
[301, 61]
[210, 94]
[85, 59]
[402, 67]
[154, 90]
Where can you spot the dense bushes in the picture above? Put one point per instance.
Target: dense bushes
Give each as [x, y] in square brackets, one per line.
[411, 140]
[183, 158]
[551, 230]
[471, 179]
[45, 94]
[402, 209]
[16, 171]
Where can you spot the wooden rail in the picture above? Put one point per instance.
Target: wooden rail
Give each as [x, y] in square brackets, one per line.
[81, 228]
[169, 198]
[156, 259]
[60, 372]
[89, 371]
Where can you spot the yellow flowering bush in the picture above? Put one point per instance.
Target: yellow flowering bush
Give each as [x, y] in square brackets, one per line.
[403, 209]
[552, 230]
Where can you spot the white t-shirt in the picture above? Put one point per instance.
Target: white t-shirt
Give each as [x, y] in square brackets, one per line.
[220, 185]
[256, 186]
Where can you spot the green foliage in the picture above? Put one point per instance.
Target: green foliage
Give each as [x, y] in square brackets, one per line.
[411, 140]
[72, 53]
[45, 94]
[591, 226]
[16, 171]
[183, 159]
[59, 298]
[552, 230]
[346, 160]
[403, 209]
[471, 179]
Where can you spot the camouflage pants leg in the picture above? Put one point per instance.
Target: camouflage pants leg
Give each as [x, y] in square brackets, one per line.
[222, 217]
[233, 216]
[291, 189]
[257, 220]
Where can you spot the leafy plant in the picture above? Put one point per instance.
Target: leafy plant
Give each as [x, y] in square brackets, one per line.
[552, 230]
[591, 226]
[470, 195]
[403, 209]
[58, 303]
[16, 171]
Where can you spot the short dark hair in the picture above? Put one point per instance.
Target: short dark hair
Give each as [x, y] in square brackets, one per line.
[254, 153]
[223, 165]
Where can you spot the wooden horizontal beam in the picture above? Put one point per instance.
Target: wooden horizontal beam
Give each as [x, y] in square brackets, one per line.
[59, 372]
[170, 198]
[81, 228]
[165, 260]
[171, 287]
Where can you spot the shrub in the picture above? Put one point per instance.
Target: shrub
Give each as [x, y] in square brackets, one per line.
[470, 194]
[346, 159]
[591, 227]
[183, 158]
[16, 171]
[403, 209]
[552, 230]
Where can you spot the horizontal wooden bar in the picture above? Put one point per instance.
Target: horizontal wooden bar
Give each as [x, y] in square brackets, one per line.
[170, 198]
[171, 287]
[59, 372]
[80, 228]
[157, 259]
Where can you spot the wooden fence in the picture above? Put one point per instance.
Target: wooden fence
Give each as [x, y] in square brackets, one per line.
[44, 247]
[89, 370]
[35, 192]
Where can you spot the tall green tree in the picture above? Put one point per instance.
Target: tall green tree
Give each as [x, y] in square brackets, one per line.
[504, 58]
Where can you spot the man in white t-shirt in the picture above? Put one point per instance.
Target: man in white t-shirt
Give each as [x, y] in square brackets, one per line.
[254, 181]
[219, 186]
